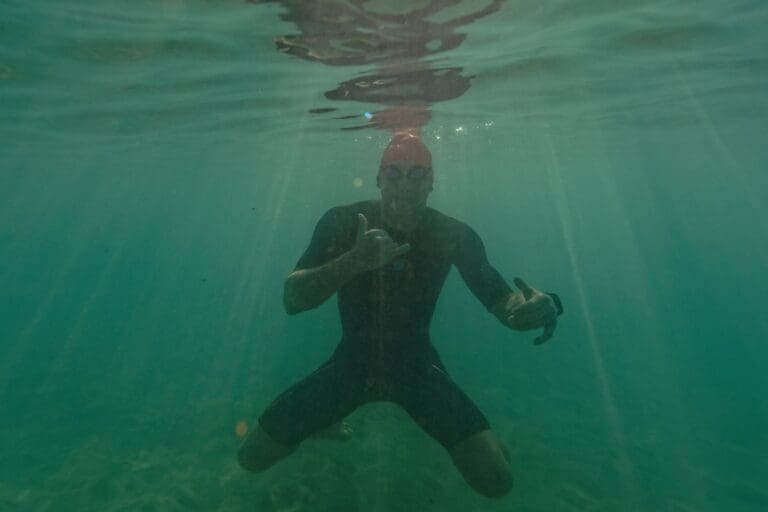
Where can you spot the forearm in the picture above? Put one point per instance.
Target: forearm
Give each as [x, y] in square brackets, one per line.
[307, 289]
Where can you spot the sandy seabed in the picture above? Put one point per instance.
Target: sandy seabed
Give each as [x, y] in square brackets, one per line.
[389, 464]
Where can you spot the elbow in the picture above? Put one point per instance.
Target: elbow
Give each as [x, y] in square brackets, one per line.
[290, 307]
[290, 304]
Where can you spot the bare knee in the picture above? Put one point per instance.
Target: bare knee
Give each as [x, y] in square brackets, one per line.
[260, 452]
[250, 462]
[484, 463]
[493, 483]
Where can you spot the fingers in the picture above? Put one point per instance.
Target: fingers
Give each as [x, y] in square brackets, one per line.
[362, 225]
[378, 233]
[549, 330]
[531, 317]
[393, 251]
[375, 245]
[400, 250]
[527, 290]
[534, 314]
[524, 311]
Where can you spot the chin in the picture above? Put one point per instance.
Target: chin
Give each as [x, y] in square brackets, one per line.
[400, 205]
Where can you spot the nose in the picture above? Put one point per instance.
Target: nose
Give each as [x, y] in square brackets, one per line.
[407, 185]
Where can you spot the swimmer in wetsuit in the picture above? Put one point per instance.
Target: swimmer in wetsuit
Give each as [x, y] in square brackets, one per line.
[387, 260]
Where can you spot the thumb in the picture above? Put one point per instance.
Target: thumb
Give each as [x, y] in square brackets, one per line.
[362, 225]
[527, 290]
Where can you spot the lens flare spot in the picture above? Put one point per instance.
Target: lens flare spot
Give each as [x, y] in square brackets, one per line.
[357, 182]
[241, 428]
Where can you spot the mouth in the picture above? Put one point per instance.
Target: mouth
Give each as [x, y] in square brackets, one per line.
[403, 204]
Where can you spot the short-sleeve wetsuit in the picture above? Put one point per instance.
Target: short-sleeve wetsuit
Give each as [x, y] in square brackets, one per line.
[385, 353]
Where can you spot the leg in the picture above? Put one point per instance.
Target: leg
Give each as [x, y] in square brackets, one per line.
[484, 463]
[339, 431]
[446, 413]
[259, 451]
[312, 404]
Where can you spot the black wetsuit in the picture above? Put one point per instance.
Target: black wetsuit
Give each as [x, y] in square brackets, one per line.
[385, 353]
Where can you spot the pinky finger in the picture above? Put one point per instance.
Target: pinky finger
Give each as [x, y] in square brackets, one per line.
[549, 330]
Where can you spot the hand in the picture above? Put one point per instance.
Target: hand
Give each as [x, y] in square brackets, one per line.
[538, 310]
[373, 247]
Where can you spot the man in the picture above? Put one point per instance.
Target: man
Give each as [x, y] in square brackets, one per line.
[388, 261]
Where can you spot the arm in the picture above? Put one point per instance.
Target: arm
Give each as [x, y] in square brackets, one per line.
[483, 280]
[308, 288]
[524, 310]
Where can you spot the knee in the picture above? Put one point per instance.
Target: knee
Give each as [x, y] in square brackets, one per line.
[260, 452]
[249, 462]
[483, 461]
[493, 483]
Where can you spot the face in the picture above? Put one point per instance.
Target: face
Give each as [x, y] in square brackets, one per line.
[404, 186]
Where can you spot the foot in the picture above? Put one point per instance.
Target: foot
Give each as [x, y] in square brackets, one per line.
[340, 431]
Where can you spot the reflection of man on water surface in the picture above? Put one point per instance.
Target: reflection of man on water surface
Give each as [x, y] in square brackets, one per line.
[388, 260]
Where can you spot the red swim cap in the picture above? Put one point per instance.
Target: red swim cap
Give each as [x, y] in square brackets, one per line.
[406, 145]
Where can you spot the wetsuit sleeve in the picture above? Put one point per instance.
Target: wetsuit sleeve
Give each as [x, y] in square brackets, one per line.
[330, 240]
[483, 280]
